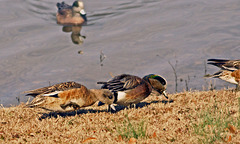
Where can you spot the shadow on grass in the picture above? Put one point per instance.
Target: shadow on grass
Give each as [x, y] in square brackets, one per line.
[140, 105]
[143, 104]
[66, 114]
[85, 111]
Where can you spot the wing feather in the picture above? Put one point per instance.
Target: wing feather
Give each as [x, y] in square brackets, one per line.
[57, 87]
[225, 64]
[122, 82]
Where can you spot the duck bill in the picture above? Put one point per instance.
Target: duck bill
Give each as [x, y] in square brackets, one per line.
[157, 93]
[83, 14]
[165, 94]
[112, 106]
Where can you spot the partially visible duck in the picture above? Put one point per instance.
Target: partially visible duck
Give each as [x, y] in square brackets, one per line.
[71, 15]
[68, 96]
[225, 64]
[228, 76]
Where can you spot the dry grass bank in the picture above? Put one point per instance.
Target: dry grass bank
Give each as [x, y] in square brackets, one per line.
[191, 117]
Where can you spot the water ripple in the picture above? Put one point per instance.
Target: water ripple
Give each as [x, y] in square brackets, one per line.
[43, 9]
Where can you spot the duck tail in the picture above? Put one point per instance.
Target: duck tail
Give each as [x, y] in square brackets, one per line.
[215, 75]
[60, 5]
[218, 64]
[104, 85]
[32, 94]
[36, 102]
[218, 60]
[101, 82]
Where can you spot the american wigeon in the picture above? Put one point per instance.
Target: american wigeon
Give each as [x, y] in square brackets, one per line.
[225, 64]
[157, 82]
[130, 89]
[68, 96]
[71, 15]
[229, 76]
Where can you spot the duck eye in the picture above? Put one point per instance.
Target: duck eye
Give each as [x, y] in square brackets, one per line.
[110, 97]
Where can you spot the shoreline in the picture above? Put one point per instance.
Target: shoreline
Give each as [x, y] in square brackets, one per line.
[191, 117]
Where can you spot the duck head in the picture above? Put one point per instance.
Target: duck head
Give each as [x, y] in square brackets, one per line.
[106, 96]
[157, 82]
[78, 9]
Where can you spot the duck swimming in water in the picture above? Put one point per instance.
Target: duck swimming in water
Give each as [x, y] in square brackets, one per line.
[71, 15]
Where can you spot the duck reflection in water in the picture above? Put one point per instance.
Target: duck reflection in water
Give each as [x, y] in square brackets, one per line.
[76, 36]
[72, 18]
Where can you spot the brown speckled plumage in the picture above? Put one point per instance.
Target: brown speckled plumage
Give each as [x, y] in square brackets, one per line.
[230, 70]
[68, 96]
[57, 87]
[236, 75]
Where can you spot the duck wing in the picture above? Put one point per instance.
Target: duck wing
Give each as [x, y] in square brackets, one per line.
[121, 83]
[225, 64]
[64, 8]
[57, 87]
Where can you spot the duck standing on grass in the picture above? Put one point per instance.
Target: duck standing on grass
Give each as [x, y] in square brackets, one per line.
[71, 15]
[130, 89]
[67, 96]
[230, 71]
[228, 76]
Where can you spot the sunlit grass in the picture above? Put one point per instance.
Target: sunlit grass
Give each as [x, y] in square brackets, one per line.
[215, 123]
[129, 129]
[191, 117]
[238, 122]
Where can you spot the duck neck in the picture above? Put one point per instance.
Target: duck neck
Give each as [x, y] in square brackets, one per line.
[75, 14]
[94, 93]
[149, 82]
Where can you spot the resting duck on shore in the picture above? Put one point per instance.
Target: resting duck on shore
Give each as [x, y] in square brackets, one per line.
[230, 71]
[228, 76]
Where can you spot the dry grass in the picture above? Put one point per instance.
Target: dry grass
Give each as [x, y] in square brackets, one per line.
[191, 117]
